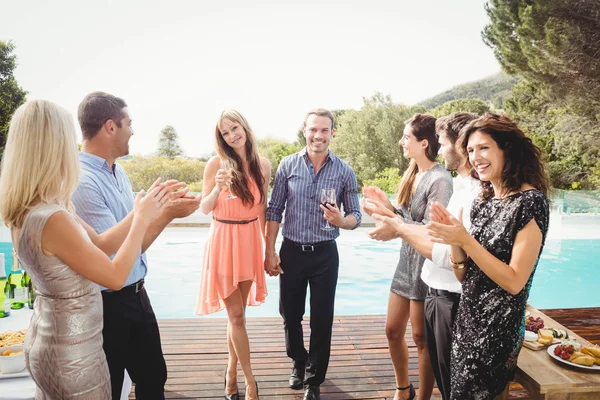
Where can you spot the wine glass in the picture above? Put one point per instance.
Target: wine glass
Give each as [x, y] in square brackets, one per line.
[227, 165]
[328, 197]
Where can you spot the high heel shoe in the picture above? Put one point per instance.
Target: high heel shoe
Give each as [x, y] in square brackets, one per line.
[256, 383]
[412, 393]
[235, 396]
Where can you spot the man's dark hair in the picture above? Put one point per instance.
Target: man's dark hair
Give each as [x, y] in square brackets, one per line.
[97, 108]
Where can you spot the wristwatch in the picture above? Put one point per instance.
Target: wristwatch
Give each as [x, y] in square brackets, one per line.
[458, 265]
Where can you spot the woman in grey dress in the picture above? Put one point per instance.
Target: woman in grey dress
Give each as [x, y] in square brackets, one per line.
[63, 347]
[424, 182]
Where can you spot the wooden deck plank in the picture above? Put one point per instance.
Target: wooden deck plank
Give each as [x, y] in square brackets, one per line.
[360, 365]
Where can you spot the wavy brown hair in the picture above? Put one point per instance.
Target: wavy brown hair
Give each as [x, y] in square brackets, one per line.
[240, 183]
[523, 161]
[423, 128]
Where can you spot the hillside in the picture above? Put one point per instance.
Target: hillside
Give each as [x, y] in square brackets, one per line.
[493, 89]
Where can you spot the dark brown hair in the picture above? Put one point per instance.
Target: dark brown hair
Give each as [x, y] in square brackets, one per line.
[239, 183]
[523, 163]
[452, 124]
[321, 112]
[423, 128]
[97, 108]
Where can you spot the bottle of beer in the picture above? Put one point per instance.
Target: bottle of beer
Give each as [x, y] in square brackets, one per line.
[28, 285]
[4, 290]
[18, 294]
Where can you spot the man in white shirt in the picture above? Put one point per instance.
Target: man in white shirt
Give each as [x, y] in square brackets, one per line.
[444, 289]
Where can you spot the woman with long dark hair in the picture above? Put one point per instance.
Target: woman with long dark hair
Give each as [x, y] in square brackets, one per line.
[235, 191]
[497, 259]
[424, 182]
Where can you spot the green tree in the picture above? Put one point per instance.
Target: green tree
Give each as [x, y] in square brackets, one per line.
[275, 150]
[465, 105]
[552, 43]
[368, 139]
[387, 180]
[569, 142]
[143, 170]
[168, 143]
[11, 94]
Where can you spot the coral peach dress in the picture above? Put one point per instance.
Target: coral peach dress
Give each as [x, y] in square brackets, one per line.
[233, 253]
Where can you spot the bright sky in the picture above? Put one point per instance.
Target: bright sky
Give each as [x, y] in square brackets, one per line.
[181, 62]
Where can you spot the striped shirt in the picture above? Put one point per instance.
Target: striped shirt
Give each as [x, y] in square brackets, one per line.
[103, 198]
[297, 190]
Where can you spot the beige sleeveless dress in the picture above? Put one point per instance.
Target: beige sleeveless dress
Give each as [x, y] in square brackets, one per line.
[63, 346]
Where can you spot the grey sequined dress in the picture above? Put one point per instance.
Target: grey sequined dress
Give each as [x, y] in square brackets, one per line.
[435, 186]
[490, 322]
[63, 346]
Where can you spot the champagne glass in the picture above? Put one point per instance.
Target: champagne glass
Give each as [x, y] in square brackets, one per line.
[328, 197]
[227, 165]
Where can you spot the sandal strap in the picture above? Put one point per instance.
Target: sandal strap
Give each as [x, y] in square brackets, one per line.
[404, 388]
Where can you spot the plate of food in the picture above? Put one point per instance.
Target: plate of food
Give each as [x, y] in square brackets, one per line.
[11, 338]
[572, 353]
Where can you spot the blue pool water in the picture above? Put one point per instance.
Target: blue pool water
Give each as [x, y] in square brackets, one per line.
[566, 276]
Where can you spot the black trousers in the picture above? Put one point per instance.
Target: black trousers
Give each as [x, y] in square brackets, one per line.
[132, 343]
[440, 311]
[316, 266]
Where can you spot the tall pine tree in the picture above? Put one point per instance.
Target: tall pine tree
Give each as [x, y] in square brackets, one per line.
[552, 43]
[168, 143]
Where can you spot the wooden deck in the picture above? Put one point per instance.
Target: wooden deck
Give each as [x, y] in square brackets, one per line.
[360, 366]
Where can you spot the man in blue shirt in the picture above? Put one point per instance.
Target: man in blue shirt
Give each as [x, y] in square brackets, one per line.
[103, 199]
[309, 253]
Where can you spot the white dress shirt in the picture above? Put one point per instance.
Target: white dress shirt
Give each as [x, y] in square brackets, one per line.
[438, 274]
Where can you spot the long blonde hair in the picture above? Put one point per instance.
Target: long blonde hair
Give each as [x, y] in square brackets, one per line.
[240, 183]
[40, 160]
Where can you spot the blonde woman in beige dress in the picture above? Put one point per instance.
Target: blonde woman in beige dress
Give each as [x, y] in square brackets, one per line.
[63, 255]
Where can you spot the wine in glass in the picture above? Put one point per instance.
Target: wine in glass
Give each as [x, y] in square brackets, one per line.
[227, 165]
[328, 197]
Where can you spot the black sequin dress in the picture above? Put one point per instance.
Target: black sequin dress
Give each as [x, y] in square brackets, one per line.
[490, 325]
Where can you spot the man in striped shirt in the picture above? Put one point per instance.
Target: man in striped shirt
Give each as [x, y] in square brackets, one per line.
[308, 255]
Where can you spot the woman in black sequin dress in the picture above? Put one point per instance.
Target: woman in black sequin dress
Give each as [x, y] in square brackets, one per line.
[497, 260]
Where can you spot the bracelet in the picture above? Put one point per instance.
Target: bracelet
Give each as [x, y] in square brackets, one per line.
[458, 265]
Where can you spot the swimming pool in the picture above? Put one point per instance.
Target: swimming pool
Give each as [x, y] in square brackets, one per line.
[566, 276]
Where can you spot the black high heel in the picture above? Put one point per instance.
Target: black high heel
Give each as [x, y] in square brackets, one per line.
[412, 393]
[236, 395]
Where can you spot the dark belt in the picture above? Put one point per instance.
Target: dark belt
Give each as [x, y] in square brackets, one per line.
[235, 222]
[133, 288]
[443, 293]
[308, 247]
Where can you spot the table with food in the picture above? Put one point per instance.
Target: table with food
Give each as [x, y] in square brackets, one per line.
[556, 363]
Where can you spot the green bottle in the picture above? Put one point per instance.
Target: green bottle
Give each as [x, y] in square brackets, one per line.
[28, 285]
[4, 290]
[18, 295]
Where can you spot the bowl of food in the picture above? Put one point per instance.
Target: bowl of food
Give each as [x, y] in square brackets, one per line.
[12, 359]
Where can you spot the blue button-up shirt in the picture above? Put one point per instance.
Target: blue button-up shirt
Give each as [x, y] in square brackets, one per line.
[103, 198]
[297, 190]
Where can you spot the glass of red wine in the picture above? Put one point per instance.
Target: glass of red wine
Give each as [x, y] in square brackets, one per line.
[328, 197]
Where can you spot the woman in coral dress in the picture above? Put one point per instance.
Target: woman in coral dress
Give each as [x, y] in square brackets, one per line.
[235, 190]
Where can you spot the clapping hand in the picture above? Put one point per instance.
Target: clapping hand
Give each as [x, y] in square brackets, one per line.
[445, 228]
[388, 229]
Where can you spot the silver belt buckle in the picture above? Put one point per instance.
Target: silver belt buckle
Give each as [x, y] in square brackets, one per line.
[308, 247]
[138, 286]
